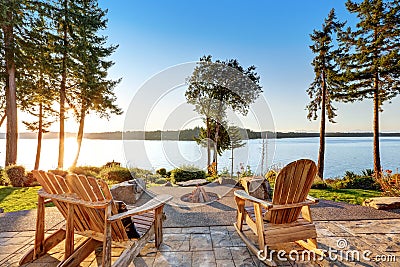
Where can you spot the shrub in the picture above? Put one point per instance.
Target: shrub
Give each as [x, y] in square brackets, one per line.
[212, 178]
[16, 175]
[362, 182]
[116, 174]
[162, 172]
[86, 170]
[185, 174]
[137, 172]
[368, 172]
[245, 172]
[3, 177]
[271, 176]
[389, 183]
[319, 185]
[30, 180]
[225, 173]
[352, 180]
[161, 181]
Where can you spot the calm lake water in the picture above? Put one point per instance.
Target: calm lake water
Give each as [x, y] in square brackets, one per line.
[342, 154]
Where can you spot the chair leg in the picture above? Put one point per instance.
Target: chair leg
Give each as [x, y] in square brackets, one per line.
[312, 245]
[106, 262]
[158, 234]
[240, 212]
[260, 226]
[39, 235]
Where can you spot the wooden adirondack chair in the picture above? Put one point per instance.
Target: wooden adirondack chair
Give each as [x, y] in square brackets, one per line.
[89, 210]
[279, 221]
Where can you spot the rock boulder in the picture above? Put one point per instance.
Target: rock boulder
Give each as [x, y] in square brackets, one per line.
[383, 203]
[129, 191]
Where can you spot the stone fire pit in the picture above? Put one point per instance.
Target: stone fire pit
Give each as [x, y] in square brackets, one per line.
[199, 195]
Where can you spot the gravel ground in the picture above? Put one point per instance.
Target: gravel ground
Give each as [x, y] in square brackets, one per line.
[221, 212]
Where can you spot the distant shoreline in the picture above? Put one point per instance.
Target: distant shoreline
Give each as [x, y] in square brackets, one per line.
[187, 135]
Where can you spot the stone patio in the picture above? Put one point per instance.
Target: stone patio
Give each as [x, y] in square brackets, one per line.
[221, 246]
[203, 235]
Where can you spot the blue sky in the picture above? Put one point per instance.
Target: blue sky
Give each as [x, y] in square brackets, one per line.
[272, 35]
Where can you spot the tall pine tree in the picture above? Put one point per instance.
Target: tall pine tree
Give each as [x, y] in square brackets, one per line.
[325, 81]
[93, 92]
[370, 59]
[12, 15]
[65, 16]
[36, 93]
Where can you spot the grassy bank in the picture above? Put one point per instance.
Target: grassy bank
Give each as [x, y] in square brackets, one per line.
[352, 196]
[18, 198]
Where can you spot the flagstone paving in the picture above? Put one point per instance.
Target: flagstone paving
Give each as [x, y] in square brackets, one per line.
[203, 235]
[221, 246]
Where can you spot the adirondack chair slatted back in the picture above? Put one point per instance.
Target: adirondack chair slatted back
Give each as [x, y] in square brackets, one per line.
[88, 189]
[292, 186]
[53, 184]
[83, 187]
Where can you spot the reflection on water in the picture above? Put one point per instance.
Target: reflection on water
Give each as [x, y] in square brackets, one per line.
[343, 153]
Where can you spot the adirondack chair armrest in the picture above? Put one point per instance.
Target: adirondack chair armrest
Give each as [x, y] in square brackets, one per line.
[293, 205]
[245, 196]
[73, 199]
[153, 204]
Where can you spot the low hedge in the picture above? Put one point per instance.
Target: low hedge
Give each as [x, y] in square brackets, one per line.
[16, 175]
[86, 170]
[181, 175]
[116, 174]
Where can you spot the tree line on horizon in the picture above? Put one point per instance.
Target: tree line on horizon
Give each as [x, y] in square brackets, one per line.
[356, 63]
[53, 65]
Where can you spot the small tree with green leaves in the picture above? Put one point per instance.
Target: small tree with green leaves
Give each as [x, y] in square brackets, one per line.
[216, 86]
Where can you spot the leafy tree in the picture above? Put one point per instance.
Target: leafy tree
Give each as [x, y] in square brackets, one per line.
[326, 80]
[209, 136]
[93, 91]
[370, 59]
[215, 87]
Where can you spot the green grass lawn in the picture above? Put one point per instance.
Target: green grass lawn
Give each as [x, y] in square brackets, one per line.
[18, 198]
[25, 198]
[352, 196]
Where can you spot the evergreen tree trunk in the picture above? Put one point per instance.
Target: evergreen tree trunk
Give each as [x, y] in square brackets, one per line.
[79, 137]
[62, 121]
[232, 162]
[208, 144]
[377, 159]
[62, 92]
[321, 153]
[216, 147]
[39, 138]
[11, 95]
